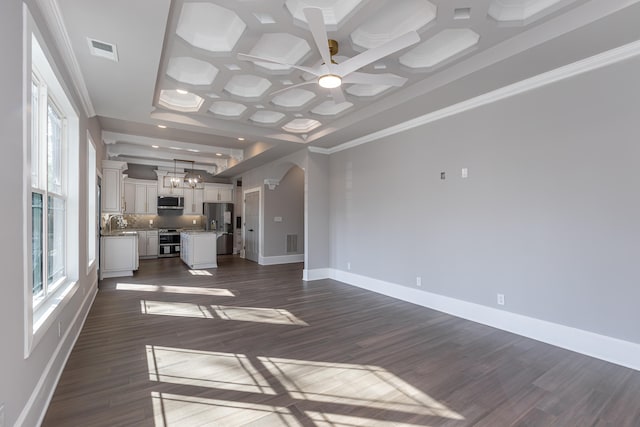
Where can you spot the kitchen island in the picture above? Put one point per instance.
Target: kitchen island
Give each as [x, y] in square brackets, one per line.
[198, 249]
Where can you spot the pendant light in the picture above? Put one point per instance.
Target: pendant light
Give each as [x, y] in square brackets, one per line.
[191, 178]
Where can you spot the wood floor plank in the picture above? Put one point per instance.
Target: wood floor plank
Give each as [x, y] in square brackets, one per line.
[251, 345]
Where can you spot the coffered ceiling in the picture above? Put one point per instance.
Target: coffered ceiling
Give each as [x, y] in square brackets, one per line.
[180, 65]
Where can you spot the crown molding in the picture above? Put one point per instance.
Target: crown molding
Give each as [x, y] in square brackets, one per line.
[53, 17]
[595, 62]
[320, 150]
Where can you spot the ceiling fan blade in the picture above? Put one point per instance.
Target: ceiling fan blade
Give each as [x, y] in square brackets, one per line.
[315, 19]
[292, 86]
[253, 58]
[338, 95]
[374, 79]
[372, 55]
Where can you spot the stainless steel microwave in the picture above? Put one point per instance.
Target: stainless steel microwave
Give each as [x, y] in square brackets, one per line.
[170, 202]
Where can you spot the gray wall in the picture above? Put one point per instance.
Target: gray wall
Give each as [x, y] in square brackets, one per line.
[19, 376]
[549, 216]
[285, 201]
[318, 209]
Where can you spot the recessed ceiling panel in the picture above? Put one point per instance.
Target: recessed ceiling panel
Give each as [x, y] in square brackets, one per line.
[330, 108]
[209, 26]
[191, 71]
[293, 98]
[366, 90]
[394, 20]
[301, 125]
[439, 48]
[518, 10]
[247, 86]
[266, 117]
[227, 109]
[334, 11]
[185, 102]
[281, 47]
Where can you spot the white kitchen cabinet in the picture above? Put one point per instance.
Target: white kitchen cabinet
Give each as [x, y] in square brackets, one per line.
[147, 243]
[141, 196]
[152, 243]
[118, 255]
[198, 249]
[218, 193]
[112, 186]
[193, 199]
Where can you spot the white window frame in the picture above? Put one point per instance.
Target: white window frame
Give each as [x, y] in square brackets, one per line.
[42, 313]
[92, 208]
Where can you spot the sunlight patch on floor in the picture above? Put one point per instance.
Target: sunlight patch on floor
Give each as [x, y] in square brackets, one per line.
[260, 315]
[226, 371]
[200, 273]
[174, 289]
[324, 419]
[176, 410]
[355, 385]
[205, 311]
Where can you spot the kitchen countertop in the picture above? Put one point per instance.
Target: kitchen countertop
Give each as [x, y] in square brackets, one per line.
[134, 230]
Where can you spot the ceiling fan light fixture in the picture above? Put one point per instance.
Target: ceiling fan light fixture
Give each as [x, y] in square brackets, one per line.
[329, 81]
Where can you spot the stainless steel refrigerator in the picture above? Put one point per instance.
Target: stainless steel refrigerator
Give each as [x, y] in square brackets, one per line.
[219, 218]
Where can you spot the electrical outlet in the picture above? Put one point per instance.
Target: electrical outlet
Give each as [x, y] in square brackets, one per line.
[500, 299]
[194, 222]
[418, 281]
[150, 222]
[349, 266]
[442, 175]
[464, 173]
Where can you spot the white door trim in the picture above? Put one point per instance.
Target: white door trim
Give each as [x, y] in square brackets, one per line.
[260, 220]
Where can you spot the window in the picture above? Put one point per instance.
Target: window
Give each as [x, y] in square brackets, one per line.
[52, 196]
[48, 193]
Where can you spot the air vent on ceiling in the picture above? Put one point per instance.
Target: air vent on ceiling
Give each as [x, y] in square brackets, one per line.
[103, 49]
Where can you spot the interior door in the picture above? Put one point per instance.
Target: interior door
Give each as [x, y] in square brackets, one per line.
[251, 224]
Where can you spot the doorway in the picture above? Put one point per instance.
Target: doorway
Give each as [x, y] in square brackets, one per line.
[252, 224]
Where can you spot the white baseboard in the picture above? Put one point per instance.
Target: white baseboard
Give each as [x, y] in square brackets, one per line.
[282, 259]
[620, 352]
[317, 274]
[32, 403]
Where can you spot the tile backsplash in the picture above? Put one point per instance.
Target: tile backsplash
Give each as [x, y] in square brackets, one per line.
[159, 221]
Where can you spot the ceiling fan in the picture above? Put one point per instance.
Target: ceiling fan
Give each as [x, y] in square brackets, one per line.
[330, 74]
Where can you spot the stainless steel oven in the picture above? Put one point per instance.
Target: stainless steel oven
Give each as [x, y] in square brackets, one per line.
[169, 243]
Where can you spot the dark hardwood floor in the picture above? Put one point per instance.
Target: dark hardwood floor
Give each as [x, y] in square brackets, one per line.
[255, 345]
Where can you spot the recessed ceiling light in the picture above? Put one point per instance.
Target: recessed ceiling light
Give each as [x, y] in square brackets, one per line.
[162, 126]
[182, 91]
[175, 148]
[241, 139]
[192, 150]
[155, 146]
[218, 154]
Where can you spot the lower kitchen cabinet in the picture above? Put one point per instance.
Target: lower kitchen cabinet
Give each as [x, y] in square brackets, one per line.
[148, 243]
[118, 255]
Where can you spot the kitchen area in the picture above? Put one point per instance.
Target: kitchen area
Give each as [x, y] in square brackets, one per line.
[178, 214]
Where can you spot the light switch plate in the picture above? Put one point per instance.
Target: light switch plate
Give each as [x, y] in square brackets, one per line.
[465, 172]
[277, 219]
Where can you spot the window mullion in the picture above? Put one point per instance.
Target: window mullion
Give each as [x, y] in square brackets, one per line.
[42, 138]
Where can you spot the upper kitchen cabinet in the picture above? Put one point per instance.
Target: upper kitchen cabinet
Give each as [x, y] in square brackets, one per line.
[193, 199]
[218, 193]
[141, 196]
[112, 186]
